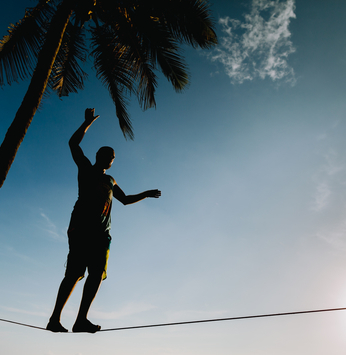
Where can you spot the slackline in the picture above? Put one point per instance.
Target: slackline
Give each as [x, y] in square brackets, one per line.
[198, 321]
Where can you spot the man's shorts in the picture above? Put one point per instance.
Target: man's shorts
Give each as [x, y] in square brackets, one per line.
[87, 251]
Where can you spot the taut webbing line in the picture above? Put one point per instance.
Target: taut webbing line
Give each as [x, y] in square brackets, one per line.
[198, 321]
[25, 325]
[226, 319]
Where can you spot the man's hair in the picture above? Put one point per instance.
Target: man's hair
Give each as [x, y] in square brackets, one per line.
[104, 151]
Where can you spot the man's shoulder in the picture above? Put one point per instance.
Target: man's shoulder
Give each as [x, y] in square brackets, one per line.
[111, 179]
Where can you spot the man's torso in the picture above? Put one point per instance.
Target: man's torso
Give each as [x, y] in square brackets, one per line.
[92, 211]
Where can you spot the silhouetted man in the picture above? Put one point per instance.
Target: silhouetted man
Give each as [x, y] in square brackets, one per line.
[88, 232]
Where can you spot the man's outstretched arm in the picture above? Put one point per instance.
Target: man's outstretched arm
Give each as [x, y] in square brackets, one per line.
[119, 194]
[77, 136]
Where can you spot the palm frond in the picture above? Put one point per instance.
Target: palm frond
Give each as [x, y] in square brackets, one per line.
[67, 75]
[127, 39]
[157, 41]
[173, 67]
[147, 83]
[189, 21]
[142, 68]
[119, 100]
[19, 49]
[112, 68]
[83, 12]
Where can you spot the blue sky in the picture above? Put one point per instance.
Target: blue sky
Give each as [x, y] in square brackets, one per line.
[251, 163]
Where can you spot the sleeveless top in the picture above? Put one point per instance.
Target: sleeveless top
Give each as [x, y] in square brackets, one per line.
[92, 211]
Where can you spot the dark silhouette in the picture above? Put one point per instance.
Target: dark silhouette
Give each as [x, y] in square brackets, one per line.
[129, 41]
[89, 228]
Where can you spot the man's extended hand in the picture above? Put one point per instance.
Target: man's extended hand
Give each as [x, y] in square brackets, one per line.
[90, 116]
[153, 193]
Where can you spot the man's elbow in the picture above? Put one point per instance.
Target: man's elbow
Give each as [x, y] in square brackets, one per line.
[73, 144]
[127, 200]
[123, 200]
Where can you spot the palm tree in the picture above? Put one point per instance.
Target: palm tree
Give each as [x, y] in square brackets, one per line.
[128, 39]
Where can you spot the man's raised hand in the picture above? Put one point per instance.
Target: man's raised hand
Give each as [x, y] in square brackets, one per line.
[90, 116]
[154, 193]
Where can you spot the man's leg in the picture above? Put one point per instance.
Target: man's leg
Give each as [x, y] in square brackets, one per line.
[66, 287]
[91, 287]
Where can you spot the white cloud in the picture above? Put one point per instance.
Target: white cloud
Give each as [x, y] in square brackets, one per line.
[51, 229]
[260, 45]
[328, 179]
[336, 237]
[127, 310]
[322, 196]
[22, 311]
[9, 250]
[332, 167]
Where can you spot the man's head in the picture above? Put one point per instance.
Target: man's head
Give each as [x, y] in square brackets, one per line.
[105, 157]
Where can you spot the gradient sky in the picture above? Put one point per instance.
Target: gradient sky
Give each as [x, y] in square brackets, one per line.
[251, 162]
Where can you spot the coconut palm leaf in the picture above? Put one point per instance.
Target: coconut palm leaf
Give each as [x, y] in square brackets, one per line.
[140, 63]
[130, 44]
[19, 49]
[161, 47]
[188, 20]
[83, 12]
[112, 68]
[67, 76]
[173, 67]
[120, 102]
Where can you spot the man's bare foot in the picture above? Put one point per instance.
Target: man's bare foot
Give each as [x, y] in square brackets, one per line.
[85, 326]
[56, 327]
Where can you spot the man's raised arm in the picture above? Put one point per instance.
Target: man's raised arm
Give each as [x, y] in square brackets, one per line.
[77, 136]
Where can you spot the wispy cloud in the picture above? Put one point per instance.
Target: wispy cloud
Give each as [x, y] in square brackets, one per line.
[10, 251]
[327, 180]
[322, 195]
[127, 310]
[260, 45]
[336, 237]
[22, 311]
[332, 166]
[51, 229]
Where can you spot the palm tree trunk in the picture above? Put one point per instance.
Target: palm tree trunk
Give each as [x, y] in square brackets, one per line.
[16, 132]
